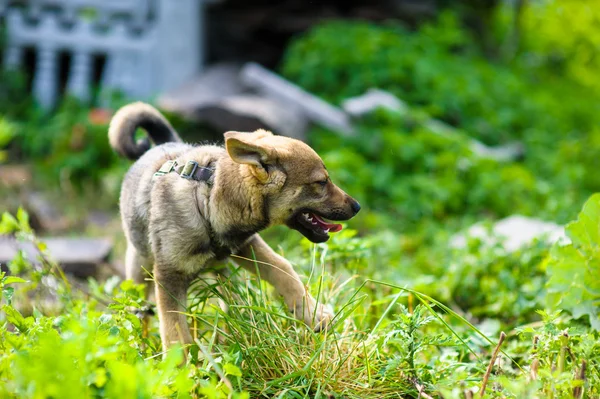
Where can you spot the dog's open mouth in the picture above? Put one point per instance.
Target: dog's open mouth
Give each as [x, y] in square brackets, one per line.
[313, 227]
[314, 222]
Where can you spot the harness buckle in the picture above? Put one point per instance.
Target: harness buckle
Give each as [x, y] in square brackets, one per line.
[189, 169]
[166, 167]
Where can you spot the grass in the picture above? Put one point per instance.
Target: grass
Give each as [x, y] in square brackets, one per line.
[386, 341]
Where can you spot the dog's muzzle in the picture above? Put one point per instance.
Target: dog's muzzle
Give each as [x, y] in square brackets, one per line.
[312, 224]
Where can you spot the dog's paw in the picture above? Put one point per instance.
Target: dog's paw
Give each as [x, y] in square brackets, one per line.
[322, 319]
[317, 315]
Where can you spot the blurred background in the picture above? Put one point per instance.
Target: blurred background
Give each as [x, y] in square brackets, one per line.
[436, 115]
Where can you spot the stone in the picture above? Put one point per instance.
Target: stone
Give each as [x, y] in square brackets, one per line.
[99, 219]
[247, 113]
[512, 233]
[218, 98]
[15, 175]
[78, 256]
[364, 104]
[214, 84]
[274, 87]
[374, 98]
[45, 214]
[502, 153]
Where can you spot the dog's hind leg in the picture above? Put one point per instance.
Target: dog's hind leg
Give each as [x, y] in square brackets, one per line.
[279, 272]
[135, 264]
[171, 296]
[134, 270]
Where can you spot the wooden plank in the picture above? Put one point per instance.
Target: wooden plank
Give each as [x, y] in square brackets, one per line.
[317, 110]
[77, 256]
[218, 98]
[214, 84]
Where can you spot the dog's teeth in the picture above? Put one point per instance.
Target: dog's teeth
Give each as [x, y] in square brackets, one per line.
[326, 230]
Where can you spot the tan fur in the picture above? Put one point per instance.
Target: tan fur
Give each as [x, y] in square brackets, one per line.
[178, 227]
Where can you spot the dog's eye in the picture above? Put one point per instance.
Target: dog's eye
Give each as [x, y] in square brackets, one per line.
[321, 183]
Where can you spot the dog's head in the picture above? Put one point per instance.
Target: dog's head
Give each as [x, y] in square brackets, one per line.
[300, 193]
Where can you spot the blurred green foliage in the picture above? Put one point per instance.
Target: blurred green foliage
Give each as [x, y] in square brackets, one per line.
[573, 269]
[437, 69]
[6, 135]
[69, 146]
[396, 165]
[428, 186]
[564, 36]
[403, 170]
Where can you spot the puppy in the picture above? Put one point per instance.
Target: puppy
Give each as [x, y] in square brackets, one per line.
[185, 207]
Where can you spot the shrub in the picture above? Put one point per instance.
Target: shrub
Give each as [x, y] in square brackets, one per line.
[440, 71]
[573, 269]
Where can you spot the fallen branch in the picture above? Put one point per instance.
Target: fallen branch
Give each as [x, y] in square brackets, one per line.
[491, 365]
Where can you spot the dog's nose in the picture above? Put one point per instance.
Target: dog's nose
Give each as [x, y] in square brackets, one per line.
[355, 206]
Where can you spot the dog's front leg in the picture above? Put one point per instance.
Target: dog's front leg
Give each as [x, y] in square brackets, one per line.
[279, 272]
[171, 294]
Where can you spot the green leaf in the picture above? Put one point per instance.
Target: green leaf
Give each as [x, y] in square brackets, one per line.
[100, 377]
[232, 369]
[14, 280]
[585, 231]
[42, 246]
[573, 269]
[23, 219]
[8, 293]
[8, 224]
[19, 264]
[588, 308]
[16, 318]
[591, 280]
[564, 268]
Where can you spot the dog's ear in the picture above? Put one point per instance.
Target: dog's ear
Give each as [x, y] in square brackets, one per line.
[244, 148]
[262, 133]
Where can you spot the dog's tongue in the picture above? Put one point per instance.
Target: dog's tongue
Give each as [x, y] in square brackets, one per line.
[332, 227]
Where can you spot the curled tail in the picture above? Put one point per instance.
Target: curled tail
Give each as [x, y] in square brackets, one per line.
[121, 132]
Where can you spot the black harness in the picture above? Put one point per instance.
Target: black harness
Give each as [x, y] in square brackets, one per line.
[190, 171]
